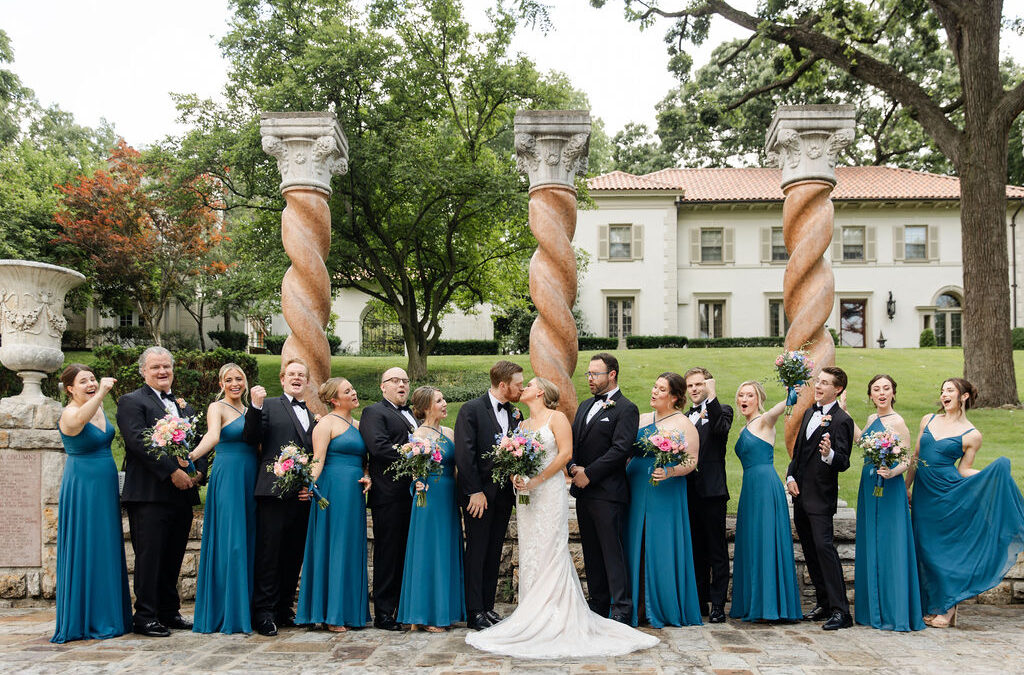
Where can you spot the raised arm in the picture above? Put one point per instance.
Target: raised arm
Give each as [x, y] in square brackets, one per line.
[771, 416]
[73, 419]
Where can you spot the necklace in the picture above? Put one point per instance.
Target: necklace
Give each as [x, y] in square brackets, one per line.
[349, 421]
[656, 420]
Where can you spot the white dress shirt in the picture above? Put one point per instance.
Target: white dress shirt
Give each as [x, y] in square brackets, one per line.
[812, 426]
[301, 413]
[600, 405]
[170, 405]
[500, 413]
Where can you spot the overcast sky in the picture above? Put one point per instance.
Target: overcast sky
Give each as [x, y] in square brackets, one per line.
[120, 59]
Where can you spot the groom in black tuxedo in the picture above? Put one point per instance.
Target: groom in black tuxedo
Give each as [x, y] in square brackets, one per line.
[158, 495]
[603, 435]
[384, 425]
[486, 507]
[821, 451]
[273, 423]
[707, 493]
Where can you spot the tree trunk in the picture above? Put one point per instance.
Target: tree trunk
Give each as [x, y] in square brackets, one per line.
[227, 321]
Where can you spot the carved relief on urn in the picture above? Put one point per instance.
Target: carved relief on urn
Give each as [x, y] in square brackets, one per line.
[32, 319]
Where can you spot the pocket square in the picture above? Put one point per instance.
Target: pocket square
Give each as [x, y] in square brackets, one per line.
[604, 419]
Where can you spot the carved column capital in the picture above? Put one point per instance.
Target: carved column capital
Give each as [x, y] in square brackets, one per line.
[804, 140]
[310, 147]
[552, 146]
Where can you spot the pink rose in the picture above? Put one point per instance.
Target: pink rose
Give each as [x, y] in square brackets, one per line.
[436, 456]
[278, 471]
[287, 464]
[178, 436]
[517, 453]
[303, 459]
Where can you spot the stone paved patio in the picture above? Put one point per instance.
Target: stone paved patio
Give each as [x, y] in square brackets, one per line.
[990, 640]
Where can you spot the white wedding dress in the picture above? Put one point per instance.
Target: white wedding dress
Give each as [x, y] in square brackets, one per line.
[553, 619]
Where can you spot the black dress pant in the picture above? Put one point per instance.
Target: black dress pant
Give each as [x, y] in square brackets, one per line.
[280, 545]
[604, 558]
[485, 538]
[159, 534]
[710, 549]
[390, 534]
[815, 532]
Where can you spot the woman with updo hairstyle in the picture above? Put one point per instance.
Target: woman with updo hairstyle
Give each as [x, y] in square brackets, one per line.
[93, 601]
[764, 581]
[333, 591]
[659, 552]
[968, 524]
[433, 593]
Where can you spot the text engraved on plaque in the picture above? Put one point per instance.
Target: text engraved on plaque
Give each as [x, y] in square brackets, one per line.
[20, 509]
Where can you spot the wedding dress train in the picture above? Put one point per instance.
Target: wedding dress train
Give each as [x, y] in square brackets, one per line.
[553, 619]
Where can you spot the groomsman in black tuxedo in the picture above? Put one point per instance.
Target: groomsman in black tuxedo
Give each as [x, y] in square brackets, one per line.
[821, 451]
[384, 425]
[158, 495]
[707, 493]
[486, 507]
[273, 423]
[603, 435]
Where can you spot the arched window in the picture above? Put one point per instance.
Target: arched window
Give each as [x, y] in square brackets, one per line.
[381, 331]
[948, 319]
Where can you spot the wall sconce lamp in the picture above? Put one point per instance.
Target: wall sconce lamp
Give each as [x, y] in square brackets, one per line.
[890, 306]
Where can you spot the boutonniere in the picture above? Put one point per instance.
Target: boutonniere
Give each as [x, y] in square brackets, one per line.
[181, 403]
[516, 415]
[316, 418]
[826, 420]
[607, 404]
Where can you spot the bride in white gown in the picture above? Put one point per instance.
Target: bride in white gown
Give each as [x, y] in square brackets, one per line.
[553, 619]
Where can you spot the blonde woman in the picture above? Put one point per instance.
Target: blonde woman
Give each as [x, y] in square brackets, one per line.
[224, 586]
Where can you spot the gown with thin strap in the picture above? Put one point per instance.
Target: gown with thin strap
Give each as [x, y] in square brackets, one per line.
[658, 539]
[968, 531]
[93, 601]
[433, 592]
[764, 581]
[335, 586]
[224, 584]
[553, 619]
[887, 593]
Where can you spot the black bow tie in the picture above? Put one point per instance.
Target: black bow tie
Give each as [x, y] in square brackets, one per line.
[695, 409]
[601, 397]
[300, 404]
[404, 408]
[817, 408]
[506, 406]
[167, 396]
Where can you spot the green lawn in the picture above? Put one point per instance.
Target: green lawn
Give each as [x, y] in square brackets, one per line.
[918, 372]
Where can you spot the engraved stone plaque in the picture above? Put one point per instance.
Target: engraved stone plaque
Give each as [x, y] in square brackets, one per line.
[20, 510]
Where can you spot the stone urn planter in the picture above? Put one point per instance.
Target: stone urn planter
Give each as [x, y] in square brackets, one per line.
[32, 320]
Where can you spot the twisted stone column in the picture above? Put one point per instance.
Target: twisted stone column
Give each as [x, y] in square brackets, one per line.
[804, 141]
[551, 148]
[310, 148]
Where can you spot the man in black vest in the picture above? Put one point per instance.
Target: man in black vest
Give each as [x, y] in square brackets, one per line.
[273, 423]
[159, 496]
[486, 507]
[384, 425]
[821, 451]
[603, 435]
[708, 494]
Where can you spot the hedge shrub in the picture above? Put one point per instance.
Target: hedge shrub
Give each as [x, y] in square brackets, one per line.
[464, 347]
[655, 341]
[927, 338]
[230, 339]
[1018, 338]
[274, 343]
[10, 384]
[594, 343]
[737, 342]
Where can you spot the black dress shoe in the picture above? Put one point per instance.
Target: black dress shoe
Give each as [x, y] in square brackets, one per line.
[839, 619]
[704, 609]
[493, 616]
[479, 621]
[285, 621]
[621, 618]
[266, 627]
[177, 621]
[819, 613]
[152, 629]
[717, 614]
[386, 622]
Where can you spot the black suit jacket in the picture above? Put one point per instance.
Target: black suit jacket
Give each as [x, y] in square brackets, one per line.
[147, 477]
[475, 429]
[818, 481]
[272, 427]
[708, 480]
[603, 446]
[383, 427]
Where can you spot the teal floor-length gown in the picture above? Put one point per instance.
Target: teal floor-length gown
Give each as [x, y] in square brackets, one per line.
[887, 594]
[764, 581]
[93, 600]
[433, 593]
[659, 552]
[968, 531]
[335, 585]
[225, 580]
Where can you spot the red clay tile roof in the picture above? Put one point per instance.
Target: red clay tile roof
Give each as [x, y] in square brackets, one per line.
[762, 184]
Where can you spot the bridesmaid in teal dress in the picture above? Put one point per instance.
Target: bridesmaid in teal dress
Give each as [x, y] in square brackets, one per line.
[93, 601]
[968, 524]
[433, 592]
[224, 587]
[335, 582]
[764, 581]
[659, 553]
[887, 594]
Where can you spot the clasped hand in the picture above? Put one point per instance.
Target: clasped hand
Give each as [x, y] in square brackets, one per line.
[522, 485]
[825, 446]
[579, 477]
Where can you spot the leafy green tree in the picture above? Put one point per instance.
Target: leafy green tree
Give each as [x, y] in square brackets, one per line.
[635, 150]
[13, 94]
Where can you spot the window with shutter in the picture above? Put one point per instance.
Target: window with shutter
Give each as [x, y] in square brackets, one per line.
[869, 244]
[853, 244]
[728, 245]
[638, 242]
[602, 242]
[711, 244]
[620, 242]
[915, 241]
[933, 242]
[695, 246]
[779, 252]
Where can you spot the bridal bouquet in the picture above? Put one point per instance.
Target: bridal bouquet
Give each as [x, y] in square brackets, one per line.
[171, 436]
[294, 471]
[517, 453]
[667, 447]
[419, 459]
[793, 368]
[883, 448]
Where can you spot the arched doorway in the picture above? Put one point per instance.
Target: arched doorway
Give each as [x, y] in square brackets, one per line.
[948, 319]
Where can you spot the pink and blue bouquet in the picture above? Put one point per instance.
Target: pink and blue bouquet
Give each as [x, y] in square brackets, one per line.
[516, 453]
[294, 470]
[667, 447]
[793, 368]
[419, 458]
[172, 436]
[883, 448]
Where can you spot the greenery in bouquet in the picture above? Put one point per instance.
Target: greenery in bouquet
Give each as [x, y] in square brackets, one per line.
[793, 369]
[172, 436]
[294, 470]
[516, 453]
[667, 447]
[419, 458]
[883, 448]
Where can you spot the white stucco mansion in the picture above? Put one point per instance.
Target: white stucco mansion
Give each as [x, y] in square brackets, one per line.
[699, 252]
